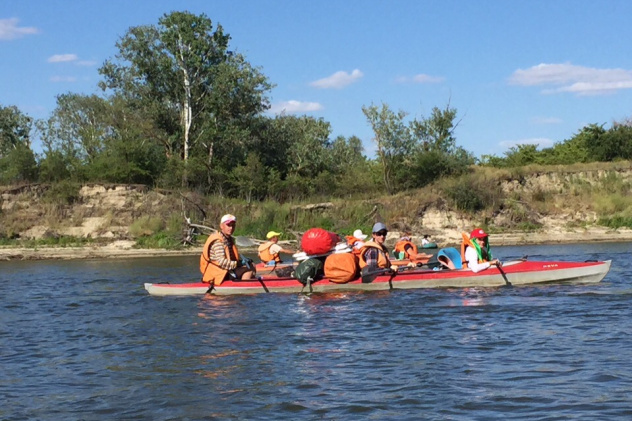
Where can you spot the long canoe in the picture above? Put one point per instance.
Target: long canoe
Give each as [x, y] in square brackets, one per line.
[511, 274]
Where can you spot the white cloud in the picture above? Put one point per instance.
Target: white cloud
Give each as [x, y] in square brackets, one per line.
[61, 58]
[86, 63]
[579, 80]
[338, 80]
[542, 142]
[420, 78]
[9, 29]
[293, 107]
[546, 120]
[423, 78]
[63, 79]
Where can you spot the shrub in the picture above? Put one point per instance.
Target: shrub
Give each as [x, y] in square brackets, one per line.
[146, 226]
[63, 193]
[471, 193]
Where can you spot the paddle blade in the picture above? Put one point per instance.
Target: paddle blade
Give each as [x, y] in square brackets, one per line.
[369, 276]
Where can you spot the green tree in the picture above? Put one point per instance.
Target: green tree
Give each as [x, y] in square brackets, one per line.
[250, 179]
[89, 138]
[77, 129]
[346, 153]
[15, 129]
[436, 133]
[183, 71]
[392, 138]
[436, 153]
[522, 154]
[614, 144]
[17, 160]
[18, 165]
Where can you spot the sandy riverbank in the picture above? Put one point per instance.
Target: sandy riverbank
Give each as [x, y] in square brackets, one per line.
[125, 249]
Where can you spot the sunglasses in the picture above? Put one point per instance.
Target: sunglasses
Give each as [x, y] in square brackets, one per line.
[230, 224]
[381, 233]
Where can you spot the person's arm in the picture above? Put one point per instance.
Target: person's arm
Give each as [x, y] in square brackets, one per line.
[218, 257]
[408, 249]
[276, 249]
[472, 260]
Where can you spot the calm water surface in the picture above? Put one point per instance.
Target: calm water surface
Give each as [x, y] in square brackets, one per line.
[82, 340]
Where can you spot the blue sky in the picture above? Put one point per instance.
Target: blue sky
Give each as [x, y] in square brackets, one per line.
[517, 71]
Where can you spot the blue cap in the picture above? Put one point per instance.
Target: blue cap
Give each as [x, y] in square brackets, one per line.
[379, 227]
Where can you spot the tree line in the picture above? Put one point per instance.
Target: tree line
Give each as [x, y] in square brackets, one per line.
[593, 143]
[180, 109]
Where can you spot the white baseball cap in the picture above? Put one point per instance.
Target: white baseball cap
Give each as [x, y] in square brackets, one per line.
[228, 218]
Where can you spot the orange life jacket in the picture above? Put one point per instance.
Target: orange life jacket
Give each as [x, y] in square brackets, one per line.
[211, 272]
[467, 242]
[351, 240]
[382, 257]
[400, 247]
[265, 255]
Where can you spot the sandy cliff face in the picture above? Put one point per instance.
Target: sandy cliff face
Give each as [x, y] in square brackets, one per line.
[107, 211]
[99, 211]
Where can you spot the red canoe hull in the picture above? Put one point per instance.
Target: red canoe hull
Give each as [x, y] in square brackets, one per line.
[512, 273]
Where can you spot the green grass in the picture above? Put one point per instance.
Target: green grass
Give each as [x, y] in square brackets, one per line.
[616, 222]
[161, 240]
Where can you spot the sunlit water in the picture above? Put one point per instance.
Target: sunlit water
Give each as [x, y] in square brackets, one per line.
[82, 340]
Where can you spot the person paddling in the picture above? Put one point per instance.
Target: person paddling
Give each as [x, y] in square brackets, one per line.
[476, 253]
[406, 249]
[270, 251]
[220, 259]
[374, 254]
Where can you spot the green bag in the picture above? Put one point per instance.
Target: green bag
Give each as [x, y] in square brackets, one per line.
[311, 268]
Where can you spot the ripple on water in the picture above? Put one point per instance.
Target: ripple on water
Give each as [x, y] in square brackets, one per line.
[82, 340]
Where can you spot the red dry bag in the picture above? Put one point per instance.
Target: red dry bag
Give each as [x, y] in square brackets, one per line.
[318, 241]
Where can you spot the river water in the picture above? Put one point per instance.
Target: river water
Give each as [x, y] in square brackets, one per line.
[82, 340]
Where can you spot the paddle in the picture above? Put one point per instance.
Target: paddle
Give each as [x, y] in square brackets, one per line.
[502, 272]
[369, 277]
[260, 279]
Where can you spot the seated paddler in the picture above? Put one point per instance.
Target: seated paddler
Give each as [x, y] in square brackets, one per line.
[220, 259]
[270, 251]
[374, 254]
[406, 249]
[475, 251]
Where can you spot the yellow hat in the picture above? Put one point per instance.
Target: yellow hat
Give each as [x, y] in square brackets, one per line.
[272, 234]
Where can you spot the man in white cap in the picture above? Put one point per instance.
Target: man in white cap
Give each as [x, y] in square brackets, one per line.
[220, 259]
[269, 252]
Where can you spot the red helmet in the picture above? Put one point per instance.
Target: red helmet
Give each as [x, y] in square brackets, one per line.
[478, 233]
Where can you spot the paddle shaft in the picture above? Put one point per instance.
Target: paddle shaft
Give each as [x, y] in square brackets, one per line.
[502, 272]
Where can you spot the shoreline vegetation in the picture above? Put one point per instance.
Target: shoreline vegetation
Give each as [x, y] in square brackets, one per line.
[525, 206]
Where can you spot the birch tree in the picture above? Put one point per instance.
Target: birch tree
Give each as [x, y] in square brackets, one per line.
[179, 69]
